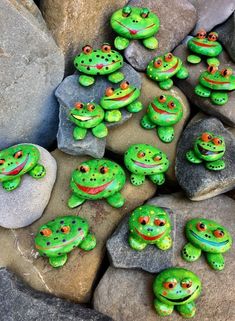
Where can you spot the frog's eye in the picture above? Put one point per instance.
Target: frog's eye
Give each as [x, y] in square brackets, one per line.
[157, 158]
[170, 285]
[87, 49]
[201, 227]
[217, 141]
[65, 229]
[126, 11]
[18, 154]
[104, 169]
[226, 72]
[186, 283]
[159, 222]
[212, 69]
[201, 34]
[206, 137]
[109, 91]
[213, 36]
[143, 220]
[218, 233]
[168, 57]
[84, 168]
[124, 85]
[162, 99]
[46, 232]
[171, 105]
[141, 154]
[145, 13]
[157, 63]
[90, 107]
[78, 105]
[106, 48]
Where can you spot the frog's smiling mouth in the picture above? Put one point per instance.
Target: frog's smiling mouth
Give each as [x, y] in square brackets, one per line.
[149, 238]
[172, 69]
[207, 152]
[17, 169]
[201, 44]
[84, 118]
[93, 190]
[160, 111]
[145, 165]
[135, 31]
[216, 82]
[38, 247]
[122, 97]
[181, 299]
[100, 66]
[216, 244]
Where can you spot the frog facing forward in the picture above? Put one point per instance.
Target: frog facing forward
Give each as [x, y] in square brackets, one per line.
[163, 112]
[98, 62]
[135, 23]
[176, 288]
[209, 237]
[149, 224]
[208, 149]
[145, 160]
[162, 68]
[60, 236]
[96, 179]
[18, 160]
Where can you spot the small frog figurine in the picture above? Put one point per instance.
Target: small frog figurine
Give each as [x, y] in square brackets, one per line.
[135, 23]
[209, 237]
[208, 148]
[99, 62]
[163, 112]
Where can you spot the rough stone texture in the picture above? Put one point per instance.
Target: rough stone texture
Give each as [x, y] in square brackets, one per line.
[226, 113]
[65, 18]
[127, 294]
[121, 138]
[75, 279]
[151, 259]
[31, 67]
[177, 19]
[26, 204]
[198, 182]
[69, 92]
[21, 303]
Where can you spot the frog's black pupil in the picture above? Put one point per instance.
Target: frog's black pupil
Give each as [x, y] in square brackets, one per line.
[202, 225]
[127, 82]
[41, 233]
[161, 97]
[221, 233]
[171, 285]
[82, 169]
[102, 170]
[162, 224]
[143, 222]
[209, 137]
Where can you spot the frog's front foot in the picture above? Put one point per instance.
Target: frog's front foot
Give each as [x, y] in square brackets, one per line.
[191, 157]
[217, 165]
[86, 81]
[191, 253]
[182, 73]
[12, 184]
[187, 310]
[38, 171]
[79, 133]
[116, 77]
[135, 107]
[100, 131]
[146, 123]
[150, 43]
[121, 43]
[113, 116]
[58, 261]
[88, 243]
[213, 61]
[165, 243]
[162, 308]
[215, 260]
[166, 134]
[166, 84]
[219, 98]
[75, 201]
[158, 179]
[116, 200]
[137, 179]
[135, 244]
[202, 91]
[194, 59]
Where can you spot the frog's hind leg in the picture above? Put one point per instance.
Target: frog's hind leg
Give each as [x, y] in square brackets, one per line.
[217, 165]
[11, 184]
[182, 73]
[88, 243]
[215, 260]
[166, 84]
[150, 43]
[75, 201]
[100, 131]
[38, 171]
[190, 253]
[158, 179]
[163, 309]
[202, 91]
[116, 77]
[146, 123]
[166, 134]
[192, 158]
[219, 98]
[79, 133]
[86, 81]
[121, 43]
[187, 310]
[135, 107]
[136, 244]
[213, 61]
[137, 179]
[116, 200]
[113, 116]
[164, 243]
[58, 261]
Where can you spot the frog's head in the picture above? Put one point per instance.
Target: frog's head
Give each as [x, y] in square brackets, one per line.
[145, 159]
[97, 178]
[165, 110]
[205, 45]
[98, 62]
[86, 115]
[177, 286]
[60, 235]
[218, 80]
[208, 235]
[120, 97]
[17, 160]
[135, 23]
[163, 67]
[209, 147]
[149, 223]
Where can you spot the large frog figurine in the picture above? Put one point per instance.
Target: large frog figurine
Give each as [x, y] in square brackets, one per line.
[162, 68]
[145, 160]
[60, 236]
[115, 99]
[209, 237]
[163, 112]
[135, 23]
[176, 288]
[215, 84]
[96, 179]
[104, 61]
[208, 149]
[205, 46]
[149, 224]
[16, 161]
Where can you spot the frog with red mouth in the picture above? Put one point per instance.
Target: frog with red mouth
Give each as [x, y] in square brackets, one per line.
[149, 224]
[146, 160]
[215, 84]
[18, 160]
[162, 68]
[97, 179]
[163, 112]
[137, 24]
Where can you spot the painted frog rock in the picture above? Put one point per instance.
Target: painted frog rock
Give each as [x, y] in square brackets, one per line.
[97, 179]
[162, 68]
[163, 112]
[145, 160]
[206, 236]
[135, 23]
[18, 160]
[60, 236]
[208, 148]
[215, 84]
[98, 62]
[176, 288]
[149, 224]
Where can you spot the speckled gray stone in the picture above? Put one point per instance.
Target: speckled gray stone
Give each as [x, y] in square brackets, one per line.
[69, 92]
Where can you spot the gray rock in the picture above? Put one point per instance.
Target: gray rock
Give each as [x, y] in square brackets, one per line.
[177, 18]
[126, 294]
[151, 259]
[198, 182]
[69, 92]
[25, 204]
[225, 113]
[31, 67]
[21, 303]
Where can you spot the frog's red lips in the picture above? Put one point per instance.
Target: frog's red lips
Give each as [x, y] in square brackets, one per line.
[77, 237]
[93, 190]
[149, 238]
[171, 69]
[160, 111]
[123, 97]
[215, 82]
[17, 169]
[204, 44]
[144, 165]
[134, 31]
[100, 66]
